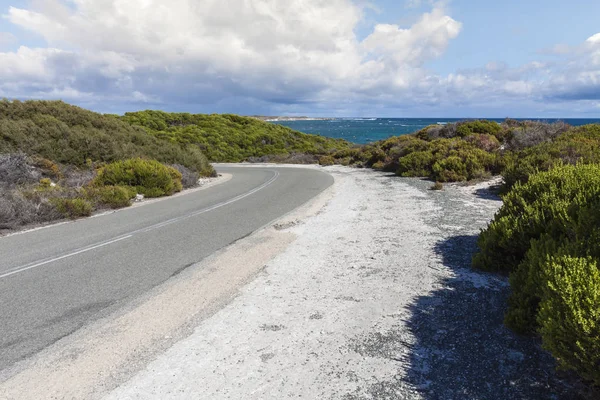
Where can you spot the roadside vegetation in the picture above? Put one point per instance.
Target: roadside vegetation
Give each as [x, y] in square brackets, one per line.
[478, 149]
[546, 236]
[233, 138]
[60, 161]
[69, 135]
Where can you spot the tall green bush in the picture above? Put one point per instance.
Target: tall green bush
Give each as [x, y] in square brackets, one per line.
[148, 177]
[569, 316]
[547, 236]
[550, 202]
[577, 145]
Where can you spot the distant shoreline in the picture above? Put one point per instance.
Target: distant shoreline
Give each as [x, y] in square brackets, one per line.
[276, 119]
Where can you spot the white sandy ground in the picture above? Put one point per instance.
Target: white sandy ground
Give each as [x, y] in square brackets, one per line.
[296, 330]
[321, 305]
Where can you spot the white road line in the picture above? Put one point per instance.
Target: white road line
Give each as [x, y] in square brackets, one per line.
[37, 264]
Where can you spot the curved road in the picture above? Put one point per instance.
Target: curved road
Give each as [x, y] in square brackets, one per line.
[55, 280]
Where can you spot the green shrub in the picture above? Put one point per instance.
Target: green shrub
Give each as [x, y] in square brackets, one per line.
[550, 202]
[379, 165]
[231, 138]
[547, 236]
[148, 177]
[569, 315]
[415, 164]
[48, 167]
[73, 208]
[462, 129]
[578, 145]
[112, 196]
[450, 169]
[326, 160]
[485, 127]
[45, 183]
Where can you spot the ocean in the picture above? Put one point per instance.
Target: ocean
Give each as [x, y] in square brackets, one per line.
[367, 130]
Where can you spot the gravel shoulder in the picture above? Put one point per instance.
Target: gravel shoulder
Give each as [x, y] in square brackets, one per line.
[369, 296]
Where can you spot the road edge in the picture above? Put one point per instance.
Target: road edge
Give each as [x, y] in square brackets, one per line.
[97, 358]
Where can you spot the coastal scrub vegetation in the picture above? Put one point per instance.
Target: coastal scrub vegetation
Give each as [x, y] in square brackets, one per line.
[547, 237]
[61, 161]
[70, 135]
[58, 160]
[477, 149]
[147, 177]
[231, 138]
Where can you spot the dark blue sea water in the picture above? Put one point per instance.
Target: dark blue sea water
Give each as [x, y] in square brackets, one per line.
[367, 130]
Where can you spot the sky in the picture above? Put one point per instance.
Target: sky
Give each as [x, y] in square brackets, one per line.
[387, 58]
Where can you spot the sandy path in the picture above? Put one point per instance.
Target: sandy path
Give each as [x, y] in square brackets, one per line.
[371, 300]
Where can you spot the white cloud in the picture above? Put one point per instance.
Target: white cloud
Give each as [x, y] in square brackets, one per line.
[425, 40]
[285, 56]
[594, 39]
[204, 51]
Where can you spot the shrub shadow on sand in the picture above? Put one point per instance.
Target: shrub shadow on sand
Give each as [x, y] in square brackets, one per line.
[463, 350]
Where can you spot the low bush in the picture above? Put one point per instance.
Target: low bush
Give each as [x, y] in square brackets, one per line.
[437, 186]
[148, 177]
[48, 168]
[524, 134]
[577, 145]
[484, 127]
[550, 202]
[547, 236]
[446, 160]
[569, 315]
[416, 164]
[111, 196]
[379, 165]
[326, 160]
[450, 169]
[462, 129]
[45, 184]
[73, 208]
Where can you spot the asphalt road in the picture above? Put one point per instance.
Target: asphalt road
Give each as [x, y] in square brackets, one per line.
[55, 280]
